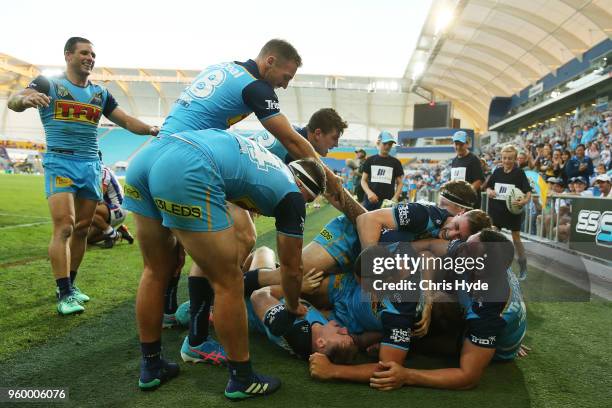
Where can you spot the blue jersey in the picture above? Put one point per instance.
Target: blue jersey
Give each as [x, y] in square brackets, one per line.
[267, 140]
[261, 190]
[499, 325]
[220, 96]
[71, 119]
[416, 221]
[358, 312]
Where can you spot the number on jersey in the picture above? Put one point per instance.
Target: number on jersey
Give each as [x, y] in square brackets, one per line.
[261, 156]
[204, 86]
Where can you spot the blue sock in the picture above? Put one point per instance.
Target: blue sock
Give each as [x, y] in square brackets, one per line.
[65, 288]
[251, 282]
[170, 300]
[200, 297]
[151, 353]
[240, 371]
[73, 275]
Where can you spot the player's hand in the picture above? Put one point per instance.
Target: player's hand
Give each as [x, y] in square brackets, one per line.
[320, 367]
[154, 130]
[519, 203]
[388, 376]
[523, 351]
[422, 326]
[35, 100]
[491, 193]
[311, 281]
[373, 198]
[300, 311]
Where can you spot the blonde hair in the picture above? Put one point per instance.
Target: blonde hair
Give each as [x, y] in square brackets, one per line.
[510, 148]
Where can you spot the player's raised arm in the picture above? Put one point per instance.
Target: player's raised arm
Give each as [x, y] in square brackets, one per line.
[370, 225]
[36, 95]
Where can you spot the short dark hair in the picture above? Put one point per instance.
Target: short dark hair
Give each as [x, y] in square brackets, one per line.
[73, 41]
[326, 119]
[282, 50]
[580, 145]
[478, 220]
[459, 192]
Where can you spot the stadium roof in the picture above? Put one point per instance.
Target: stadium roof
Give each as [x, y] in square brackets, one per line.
[468, 51]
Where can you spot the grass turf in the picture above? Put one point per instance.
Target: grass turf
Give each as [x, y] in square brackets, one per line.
[96, 354]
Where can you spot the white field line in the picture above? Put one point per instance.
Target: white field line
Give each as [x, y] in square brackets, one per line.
[22, 216]
[33, 224]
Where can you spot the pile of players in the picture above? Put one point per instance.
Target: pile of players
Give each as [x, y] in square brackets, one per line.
[193, 189]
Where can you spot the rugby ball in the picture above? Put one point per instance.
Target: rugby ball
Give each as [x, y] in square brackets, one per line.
[182, 314]
[513, 195]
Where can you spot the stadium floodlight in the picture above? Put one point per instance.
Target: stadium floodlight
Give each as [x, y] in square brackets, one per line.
[418, 69]
[51, 72]
[445, 16]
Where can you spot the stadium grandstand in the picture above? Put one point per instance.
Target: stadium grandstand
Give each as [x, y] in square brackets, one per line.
[532, 74]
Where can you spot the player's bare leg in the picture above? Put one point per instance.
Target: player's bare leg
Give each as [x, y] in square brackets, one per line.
[223, 272]
[99, 224]
[160, 253]
[84, 212]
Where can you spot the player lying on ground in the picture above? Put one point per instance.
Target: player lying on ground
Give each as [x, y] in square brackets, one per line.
[109, 214]
[337, 246]
[496, 320]
[189, 203]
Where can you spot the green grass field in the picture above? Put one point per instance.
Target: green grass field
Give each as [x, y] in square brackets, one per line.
[96, 354]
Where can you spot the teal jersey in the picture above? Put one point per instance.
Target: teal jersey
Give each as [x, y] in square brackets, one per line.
[355, 309]
[254, 178]
[71, 119]
[267, 140]
[499, 325]
[298, 339]
[221, 96]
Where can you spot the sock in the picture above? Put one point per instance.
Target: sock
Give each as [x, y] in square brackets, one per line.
[251, 282]
[200, 297]
[65, 288]
[240, 371]
[73, 275]
[151, 353]
[108, 230]
[170, 300]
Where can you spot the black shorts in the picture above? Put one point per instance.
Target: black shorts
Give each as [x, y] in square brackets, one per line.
[505, 219]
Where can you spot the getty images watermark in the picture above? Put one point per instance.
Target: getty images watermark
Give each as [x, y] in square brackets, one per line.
[486, 271]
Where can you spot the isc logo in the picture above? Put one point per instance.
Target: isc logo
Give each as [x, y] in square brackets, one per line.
[77, 112]
[596, 223]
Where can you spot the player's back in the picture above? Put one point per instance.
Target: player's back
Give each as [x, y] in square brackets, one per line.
[213, 100]
[254, 178]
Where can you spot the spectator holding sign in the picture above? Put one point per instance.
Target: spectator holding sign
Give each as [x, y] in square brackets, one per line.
[382, 174]
[502, 181]
[466, 166]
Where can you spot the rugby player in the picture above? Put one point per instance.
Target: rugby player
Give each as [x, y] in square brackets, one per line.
[70, 108]
[496, 320]
[109, 214]
[189, 203]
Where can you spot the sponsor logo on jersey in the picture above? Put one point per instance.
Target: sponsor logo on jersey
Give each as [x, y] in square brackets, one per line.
[403, 215]
[400, 336]
[132, 192]
[272, 105]
[63, 181]
[596, 223]
[188, 211]
[235, 119]
[96, 99]
[71, 111]
[62, 92]
[489, 341]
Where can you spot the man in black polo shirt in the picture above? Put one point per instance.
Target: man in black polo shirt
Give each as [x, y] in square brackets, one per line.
[466, 166]
[382, 175]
